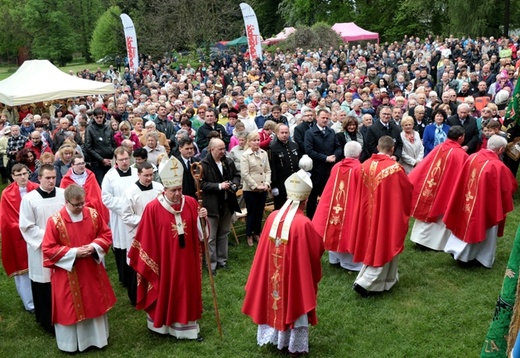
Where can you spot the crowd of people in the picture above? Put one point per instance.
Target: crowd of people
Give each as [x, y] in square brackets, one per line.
[374, 135]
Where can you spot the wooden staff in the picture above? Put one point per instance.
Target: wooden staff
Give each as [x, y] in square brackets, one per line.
[196, 172]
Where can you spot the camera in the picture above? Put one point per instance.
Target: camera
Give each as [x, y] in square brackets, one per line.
[232, 187]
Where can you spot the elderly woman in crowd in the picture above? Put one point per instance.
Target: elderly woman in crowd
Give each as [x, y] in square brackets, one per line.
[356, 111]
[153, 147]
[138, 127]
[236, 152]
[256, 179]
[125, 133]
[437, 132]
[413, 149]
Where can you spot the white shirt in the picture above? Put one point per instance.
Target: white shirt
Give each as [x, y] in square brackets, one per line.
[133, 210]
[113, 190]
[34, 213]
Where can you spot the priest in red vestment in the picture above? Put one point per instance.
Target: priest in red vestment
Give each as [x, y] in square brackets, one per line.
[14, 247]
[78, 174]
[283, 283]
[165, 253]
[380, 221]
[333, 217]
[76, 240]
[432, 182]
[481, 199]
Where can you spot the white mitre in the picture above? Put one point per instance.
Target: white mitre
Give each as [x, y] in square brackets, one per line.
[298, 186]
[171, 172]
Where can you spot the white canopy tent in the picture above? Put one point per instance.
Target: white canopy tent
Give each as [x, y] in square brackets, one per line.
[40, 80]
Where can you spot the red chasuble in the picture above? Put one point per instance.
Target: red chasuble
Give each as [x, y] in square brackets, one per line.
[14, 247]
[383, 205]
[283, 282]
[85, 292]
[481, 199]
[92, 193]
[168, 275]
[433, 180]
[333, 217]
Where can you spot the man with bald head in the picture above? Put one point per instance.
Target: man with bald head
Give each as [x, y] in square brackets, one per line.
[220, 180]
[469, 123]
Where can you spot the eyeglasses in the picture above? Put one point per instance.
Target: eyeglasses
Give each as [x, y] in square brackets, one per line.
[77, 205]
[511, 73]
[100, 116]
[80, 164]
[21, 174]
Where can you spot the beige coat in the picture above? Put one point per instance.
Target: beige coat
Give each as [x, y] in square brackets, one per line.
[3, 150]
[255, 169]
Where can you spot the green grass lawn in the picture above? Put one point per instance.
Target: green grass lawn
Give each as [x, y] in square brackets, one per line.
[438, 309]
[8, 70]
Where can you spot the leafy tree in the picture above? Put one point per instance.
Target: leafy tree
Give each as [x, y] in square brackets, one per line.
[269, 18]
[86, 12]
[51, 28]
[108, 36]
[13, 37]
[319, 35]
[418, 18]
[175, 24]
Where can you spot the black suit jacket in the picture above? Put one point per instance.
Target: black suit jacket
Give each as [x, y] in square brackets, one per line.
[299, 135]
[214, 199]
[319, 145]
[188, 183]
[377, 130]
[470, 131]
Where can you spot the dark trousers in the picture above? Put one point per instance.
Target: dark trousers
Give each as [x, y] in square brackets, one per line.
[99, 171]
[132, 285]
[255, 203]
[312, 202]
[122, 267]
[42, 298]
[511, 164]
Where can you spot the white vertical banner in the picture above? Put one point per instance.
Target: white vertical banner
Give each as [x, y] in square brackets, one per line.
[130, 42]
[252, 31]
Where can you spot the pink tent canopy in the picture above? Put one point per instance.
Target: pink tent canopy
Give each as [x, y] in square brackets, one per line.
[280, 37]
[349, 31]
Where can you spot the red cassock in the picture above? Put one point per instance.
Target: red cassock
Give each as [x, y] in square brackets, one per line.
[333, 217]
[383, 205]
[283, 282]
[169, 276]
[92, 193]
[14, 247]
[481, 199]
[85, 292]
[433, 180]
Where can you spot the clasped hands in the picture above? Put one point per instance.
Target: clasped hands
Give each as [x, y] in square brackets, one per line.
[85, 251]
